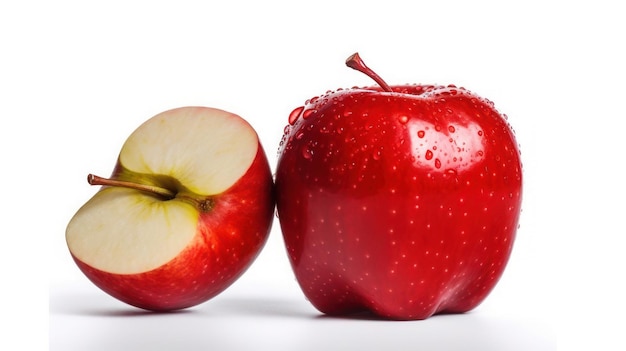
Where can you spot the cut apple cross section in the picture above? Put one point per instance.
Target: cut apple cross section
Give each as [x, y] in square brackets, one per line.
[194, 154]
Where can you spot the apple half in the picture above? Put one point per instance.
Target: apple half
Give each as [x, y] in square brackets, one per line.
[187, 209]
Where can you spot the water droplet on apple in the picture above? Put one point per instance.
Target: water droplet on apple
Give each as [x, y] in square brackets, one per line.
[429, 155]
[421, 133]
[403, 119]
[480, 133]
[480, 153]
[376, 155]
[347, 113]
[308, 113]
[307, 153]
[299, 135]
[451, 172]
[437, 163]
[295, 114]
[311, 100]
[451, 129]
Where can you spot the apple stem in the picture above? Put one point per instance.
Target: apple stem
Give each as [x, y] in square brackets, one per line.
[355, 62]
[95, 180]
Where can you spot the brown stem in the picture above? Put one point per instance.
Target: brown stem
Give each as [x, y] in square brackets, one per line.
[163, 192]
[355, 62]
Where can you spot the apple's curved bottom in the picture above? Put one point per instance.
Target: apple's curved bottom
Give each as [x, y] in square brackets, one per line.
[398, 298]
[159, 290]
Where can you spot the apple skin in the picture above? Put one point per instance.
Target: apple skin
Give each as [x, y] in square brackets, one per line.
[403, 204]
[229, 237]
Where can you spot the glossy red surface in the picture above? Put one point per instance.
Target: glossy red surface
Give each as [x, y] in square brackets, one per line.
[401, 203]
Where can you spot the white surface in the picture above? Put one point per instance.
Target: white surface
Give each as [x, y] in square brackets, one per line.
[253, 320]
[76, 78]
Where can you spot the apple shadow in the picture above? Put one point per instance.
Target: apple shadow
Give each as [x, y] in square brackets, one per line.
[133, 312]
[98, 305]
[101, 305]
[372, 317]
[356, 316]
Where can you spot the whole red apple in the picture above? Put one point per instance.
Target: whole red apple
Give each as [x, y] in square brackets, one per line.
[187, 209]
[402, 201]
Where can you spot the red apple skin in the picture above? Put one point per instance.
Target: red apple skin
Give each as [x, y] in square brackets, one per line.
[231, 235]
[403, 204]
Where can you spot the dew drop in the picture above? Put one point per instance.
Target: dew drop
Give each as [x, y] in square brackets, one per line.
[421, 133]
[308, 113]
[403, 119]
[437, 163]
[376, 155]
[451, 129]
[299, 135]
[295, 114]
[480, 133]
[451, 172]
[429, 155]
[311, 100]
[307, 153]
[480, 153]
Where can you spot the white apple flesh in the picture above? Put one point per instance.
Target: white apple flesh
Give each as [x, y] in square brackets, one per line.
[187, 209]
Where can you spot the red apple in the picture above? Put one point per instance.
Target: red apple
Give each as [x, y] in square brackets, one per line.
[402, 201]
[187, 209]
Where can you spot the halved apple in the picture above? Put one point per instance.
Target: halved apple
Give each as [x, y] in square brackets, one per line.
[187, 209]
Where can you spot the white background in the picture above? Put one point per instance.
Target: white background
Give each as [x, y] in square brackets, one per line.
[77, 77]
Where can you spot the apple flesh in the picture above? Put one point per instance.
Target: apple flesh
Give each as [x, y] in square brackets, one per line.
[187, 209]
[401, 201]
